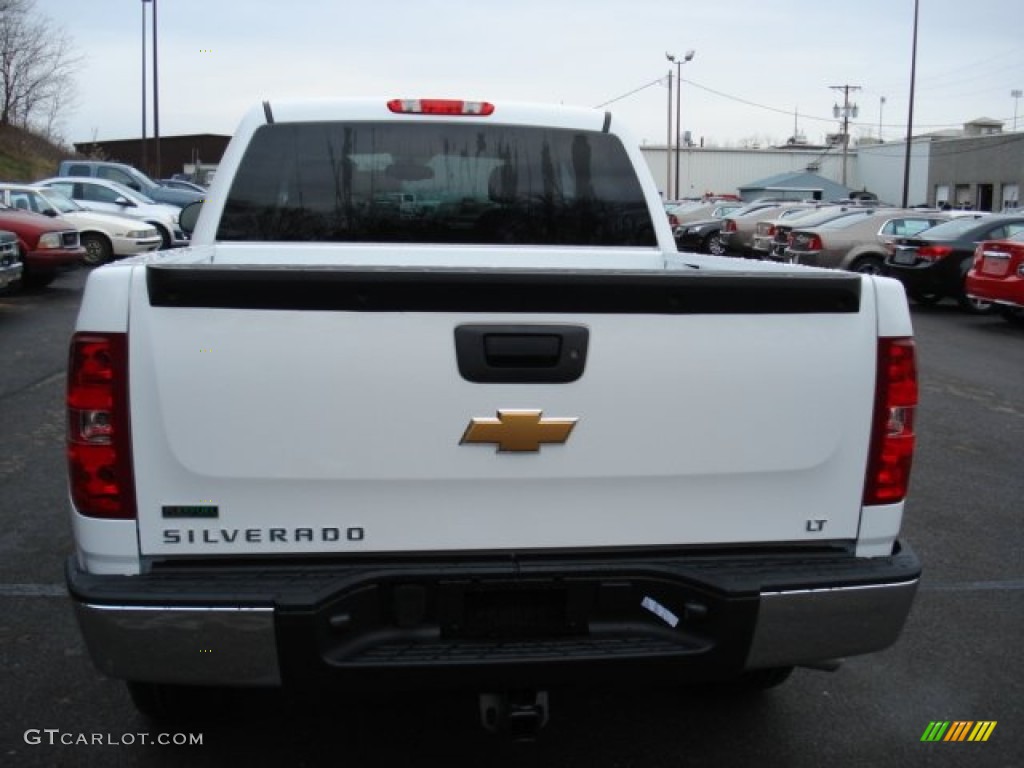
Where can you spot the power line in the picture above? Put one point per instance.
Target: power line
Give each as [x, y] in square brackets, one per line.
[777, 110]
[740, 100]
[804, 116]
[625, 95]
[942, 78]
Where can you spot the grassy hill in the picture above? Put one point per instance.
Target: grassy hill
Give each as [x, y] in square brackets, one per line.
[27, 157]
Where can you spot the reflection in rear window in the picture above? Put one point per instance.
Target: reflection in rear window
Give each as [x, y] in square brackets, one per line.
[435, 183]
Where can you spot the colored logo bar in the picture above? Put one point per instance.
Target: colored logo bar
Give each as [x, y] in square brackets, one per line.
[958, 730]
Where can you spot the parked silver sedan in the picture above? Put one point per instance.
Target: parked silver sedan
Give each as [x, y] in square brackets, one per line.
[783, 229]
[764, 241]
[699, 211]
[855, 243]
[738, 228]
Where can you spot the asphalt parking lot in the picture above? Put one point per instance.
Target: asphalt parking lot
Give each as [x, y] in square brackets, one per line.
[958, 659]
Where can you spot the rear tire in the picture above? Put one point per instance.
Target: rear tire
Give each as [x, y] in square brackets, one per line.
[152, 700]
[925, 299]
[166, 702]
[867, 265]
[764, 679]
[1012, 315]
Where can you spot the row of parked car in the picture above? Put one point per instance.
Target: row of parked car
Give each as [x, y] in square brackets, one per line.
[972, 257]
[91, 212]
[96, 211]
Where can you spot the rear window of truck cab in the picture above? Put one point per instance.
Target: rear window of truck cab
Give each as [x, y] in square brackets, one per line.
[437, 182]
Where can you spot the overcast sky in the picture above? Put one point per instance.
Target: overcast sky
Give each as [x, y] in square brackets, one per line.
[756, 62]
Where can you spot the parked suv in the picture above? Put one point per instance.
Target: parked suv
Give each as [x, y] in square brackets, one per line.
[129, 177]
[46, 247]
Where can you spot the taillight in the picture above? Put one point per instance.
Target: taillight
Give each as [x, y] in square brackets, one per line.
[98, 439]
[729, 226]
[934, 252]
[771, 230]
[673, 221]
[440, 107]
[892, 433]
[814, 243]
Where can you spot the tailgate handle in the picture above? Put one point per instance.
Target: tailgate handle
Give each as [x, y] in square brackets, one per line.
[521, 354]
[521, 350]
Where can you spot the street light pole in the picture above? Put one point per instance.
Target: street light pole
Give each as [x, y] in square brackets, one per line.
[679, 125]
[156, 98]
[679, 80]
[881, 106]
[1015, 94]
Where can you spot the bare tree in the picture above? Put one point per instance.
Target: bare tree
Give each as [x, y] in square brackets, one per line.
[62, 96]
[37, 64]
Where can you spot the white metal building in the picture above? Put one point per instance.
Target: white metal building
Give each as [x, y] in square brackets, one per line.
[980, 166]
[722, 171]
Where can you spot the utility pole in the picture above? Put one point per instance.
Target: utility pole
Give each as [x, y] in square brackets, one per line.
[145, 160]
[1015, 94]
[156, 99]
[846, 111]
[910, 111]
[881, 106]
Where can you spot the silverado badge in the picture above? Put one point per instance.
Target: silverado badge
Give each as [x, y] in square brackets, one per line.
[518, 431]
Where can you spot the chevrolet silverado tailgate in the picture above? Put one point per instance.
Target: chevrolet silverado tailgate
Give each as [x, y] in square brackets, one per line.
[341, 409]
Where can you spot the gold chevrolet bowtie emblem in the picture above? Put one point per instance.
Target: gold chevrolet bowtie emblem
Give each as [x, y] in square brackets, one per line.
[518, 431]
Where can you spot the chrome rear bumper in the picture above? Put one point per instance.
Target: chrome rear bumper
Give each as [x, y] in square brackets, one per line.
[811, 625]
[638, 616]
[191, 646]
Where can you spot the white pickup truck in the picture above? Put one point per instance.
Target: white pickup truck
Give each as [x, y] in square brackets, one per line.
[515, 442]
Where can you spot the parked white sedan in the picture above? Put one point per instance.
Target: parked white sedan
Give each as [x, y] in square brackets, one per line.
[111, 197]
[103, 235]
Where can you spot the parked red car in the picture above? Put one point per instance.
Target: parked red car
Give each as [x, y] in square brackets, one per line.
[997, 275]
[47, 246]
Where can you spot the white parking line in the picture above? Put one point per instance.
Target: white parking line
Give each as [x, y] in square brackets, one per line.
[32, 385]
[33, 590]
[975, 586]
